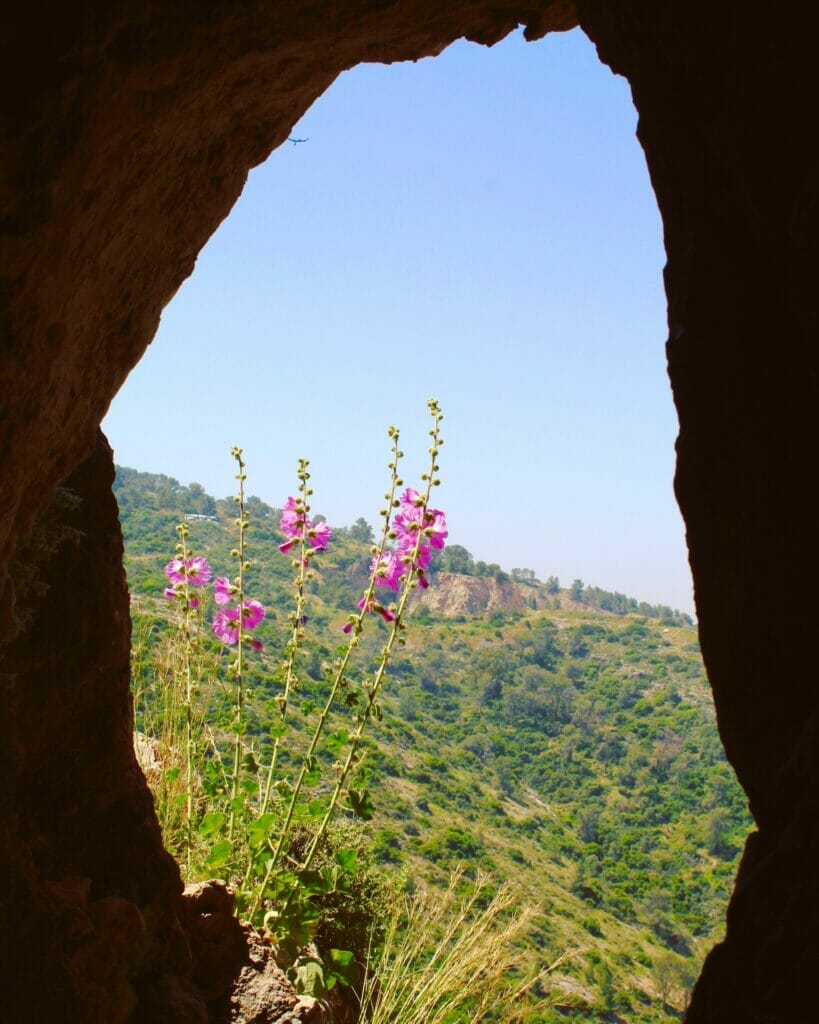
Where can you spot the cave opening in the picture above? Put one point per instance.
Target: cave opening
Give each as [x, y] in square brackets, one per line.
[339, 261]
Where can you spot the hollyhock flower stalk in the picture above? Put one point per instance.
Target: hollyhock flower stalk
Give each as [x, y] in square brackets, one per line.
[238, 553]
[372, 689]
[398, 571]
[310, 537]
[183, 572]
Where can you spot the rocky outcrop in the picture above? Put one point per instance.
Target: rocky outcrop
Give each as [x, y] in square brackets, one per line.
[455, 594]
[127, 135]
[234, 969]
[90, 906]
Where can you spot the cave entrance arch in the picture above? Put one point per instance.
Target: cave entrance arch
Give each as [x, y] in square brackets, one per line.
[128, 140]
[533, 254]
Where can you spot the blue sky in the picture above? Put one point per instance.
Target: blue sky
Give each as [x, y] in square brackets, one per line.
[479, 227]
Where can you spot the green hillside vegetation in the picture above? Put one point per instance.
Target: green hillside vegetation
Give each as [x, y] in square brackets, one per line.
[569, 746]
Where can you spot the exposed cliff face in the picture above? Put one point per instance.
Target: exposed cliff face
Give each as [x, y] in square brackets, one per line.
[129, 130]
[454, 594]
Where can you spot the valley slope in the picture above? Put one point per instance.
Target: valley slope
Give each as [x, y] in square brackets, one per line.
[527, 732]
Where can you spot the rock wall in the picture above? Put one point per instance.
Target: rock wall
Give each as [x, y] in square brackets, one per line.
[126, 136]
[722, 98]
[456, 594]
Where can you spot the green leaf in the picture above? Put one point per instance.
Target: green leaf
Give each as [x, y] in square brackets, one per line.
[347, 860]
[337, 741]
[309, 980]
[361, 803]
[259, 830]
[317, 808]
[316, 882]
[341, 958]
[212, 823]
[219, 854]
[341, 967]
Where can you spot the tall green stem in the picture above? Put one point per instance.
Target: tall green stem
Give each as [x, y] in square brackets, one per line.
[186, 636]
[297, 636]
[339, 678]
[373, 688]
[238, 668]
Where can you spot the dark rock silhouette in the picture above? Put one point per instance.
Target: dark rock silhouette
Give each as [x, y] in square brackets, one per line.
[127, 133]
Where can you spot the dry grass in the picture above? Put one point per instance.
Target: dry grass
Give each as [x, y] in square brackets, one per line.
[159, 703]
[453, 961]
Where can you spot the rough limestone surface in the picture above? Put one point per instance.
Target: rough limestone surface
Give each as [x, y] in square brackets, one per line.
[126, 135]
[455, 594]
[234, 969]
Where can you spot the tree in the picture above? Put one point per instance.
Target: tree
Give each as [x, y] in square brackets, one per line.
[576, 590]
[717, 831]
[665, 976]
[361, 530]
[674, 973]
[553, 585]
[526, 576]
[199, 502]
[457, 559]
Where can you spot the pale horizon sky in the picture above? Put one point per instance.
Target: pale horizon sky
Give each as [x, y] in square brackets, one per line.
[479, 227]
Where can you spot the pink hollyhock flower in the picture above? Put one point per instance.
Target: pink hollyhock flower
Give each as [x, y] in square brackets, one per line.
[169, 593]
[424, 557]
[293, 519]
[374, 606]
[411, 498]
[198, 570]
[387, 570]
[222, 590]
[252, 614]
[195, 570]
[435, 528]
[175, 571]
[290, 524]
[318, 535]
[406, 549]
[194, 602]
[257, 645]
[407, 523]
[226, 625]
[288, 544]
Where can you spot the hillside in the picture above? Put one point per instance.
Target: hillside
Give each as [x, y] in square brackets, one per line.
[527, 731]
